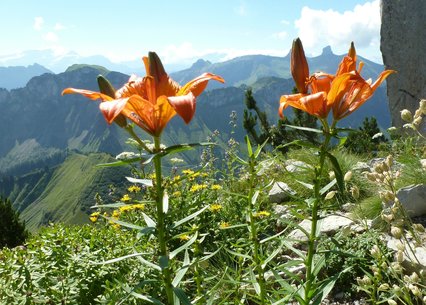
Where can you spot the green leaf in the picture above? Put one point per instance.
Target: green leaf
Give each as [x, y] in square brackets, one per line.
[324, 289]
[149, 221]
[123, 223]
[238, 254]
[181, 296]
[256, 285]
[184, 246]
[183, 147]
[208, 256]
[307, 185]
[337, 172]
[188, 218]
[148, 263]
[304, 128]
[146, 298]
[119, 162]
[117, 259]
[328, 186]
[249, 148]
[146, 182]
[118, 204]
[181, 272]
[272, 255]
[259, 148]
[254, 198]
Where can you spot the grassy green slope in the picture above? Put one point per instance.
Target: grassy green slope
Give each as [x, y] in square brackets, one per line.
[71, 190]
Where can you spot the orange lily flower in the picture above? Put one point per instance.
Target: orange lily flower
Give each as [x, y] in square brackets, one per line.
[343, 92]
[151, 101]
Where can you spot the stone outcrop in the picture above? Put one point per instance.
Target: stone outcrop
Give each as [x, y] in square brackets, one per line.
[403, 46]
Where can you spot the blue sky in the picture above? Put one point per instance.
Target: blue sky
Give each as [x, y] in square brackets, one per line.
[183, 31]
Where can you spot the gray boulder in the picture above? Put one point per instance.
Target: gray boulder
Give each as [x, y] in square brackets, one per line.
[403, 44]
[413, 199]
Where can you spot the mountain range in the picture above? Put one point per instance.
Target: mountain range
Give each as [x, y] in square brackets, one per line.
[49, 140]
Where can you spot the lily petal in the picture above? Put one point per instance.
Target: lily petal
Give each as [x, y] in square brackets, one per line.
[112, 109]
[197, 85]
[93, 95]
[184, 105]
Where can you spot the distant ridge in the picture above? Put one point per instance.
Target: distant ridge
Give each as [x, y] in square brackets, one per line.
[18, 76]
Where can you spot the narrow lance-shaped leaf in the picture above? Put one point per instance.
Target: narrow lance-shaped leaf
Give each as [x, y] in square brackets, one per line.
[337, 172]
[146, 182]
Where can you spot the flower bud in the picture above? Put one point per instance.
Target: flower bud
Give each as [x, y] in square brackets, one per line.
[400, 246]
[355, 192]
[371, 177]
[417, 121]
[396, 267]
[419, 227]
[387, 217]
[331, 175]
[348, 176]
[330, 195]
[406, 115]
[389, 161]
[414, 277]
[399, 256]
[384, 287]
[422, 107]
[396, 232]
[378, 168]
[375, 251]
[299, 66]
[392, 302]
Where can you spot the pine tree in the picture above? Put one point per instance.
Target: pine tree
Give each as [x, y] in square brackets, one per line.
[367, 138]
[12, 230]
[279, 134]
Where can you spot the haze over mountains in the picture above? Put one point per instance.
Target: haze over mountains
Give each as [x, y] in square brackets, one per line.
[47, 139]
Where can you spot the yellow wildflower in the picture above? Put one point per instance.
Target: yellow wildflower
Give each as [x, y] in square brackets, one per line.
[184, 237]
[125, 198]
[195, 175]
[134, 189]
[94, 216]
[215, 187]
[215, 207]
[261, 214]
[125, 208]
[197, 187]
[177, 194]
[139, 206]
[176, 178]
[224, 225]
[115, 214]
[188, 172]
[115, 225]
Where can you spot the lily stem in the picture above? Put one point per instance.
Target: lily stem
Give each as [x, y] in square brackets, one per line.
[310, 277]
[161, 226]
[253, 235]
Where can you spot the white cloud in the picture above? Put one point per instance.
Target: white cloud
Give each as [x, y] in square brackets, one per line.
[38, 23]
[185, 53]
[318, 28]
[50, 36]
[58, 26]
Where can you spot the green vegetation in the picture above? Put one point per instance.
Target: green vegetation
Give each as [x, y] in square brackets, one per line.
[66, 192]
